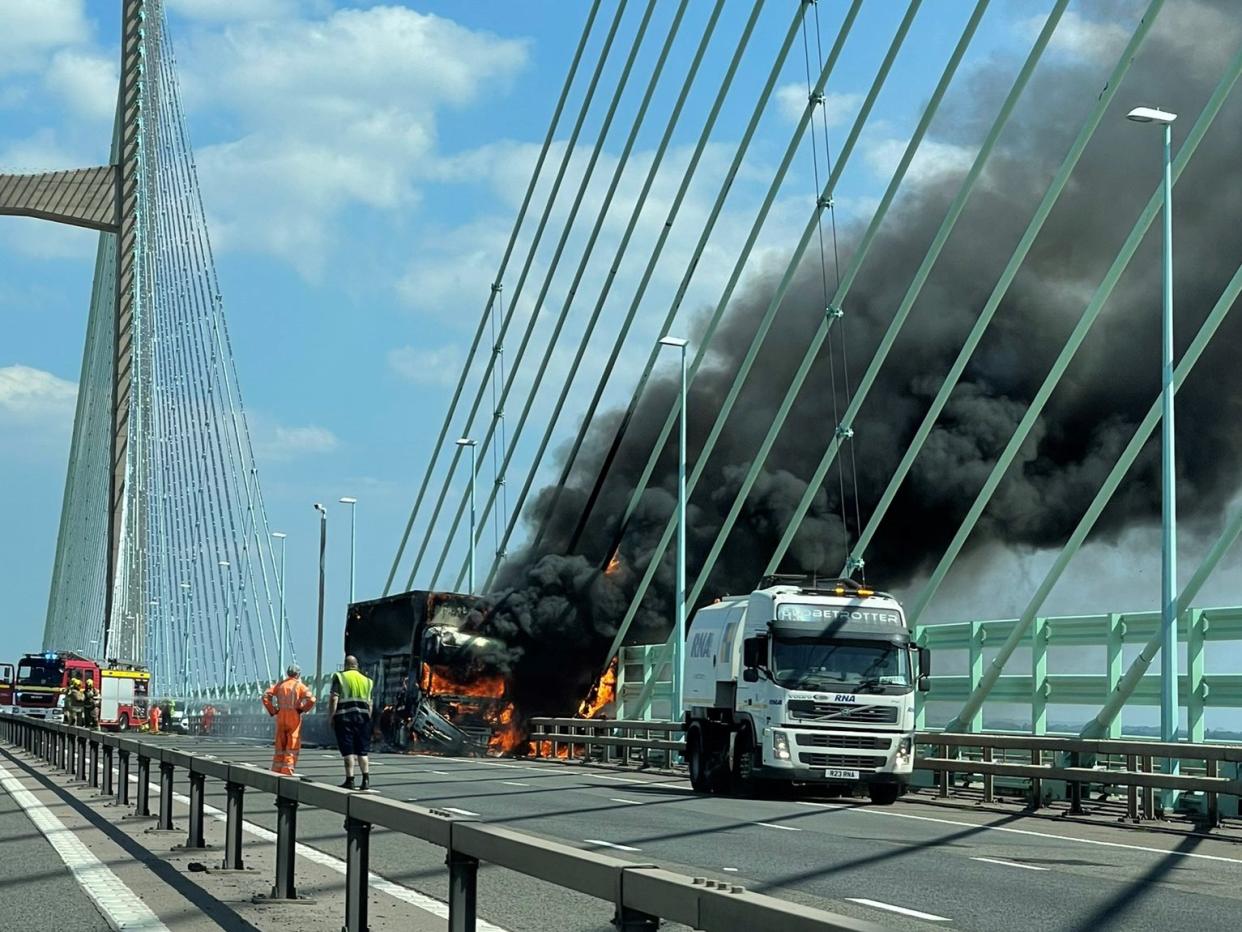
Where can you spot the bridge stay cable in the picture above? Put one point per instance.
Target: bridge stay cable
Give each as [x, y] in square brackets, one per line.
[549, 204]
[765, 323]
[552, 267]
[1075, 339]
[495, 296]
[735, 275]
[618, 257]
[722, 90]
[707, 227]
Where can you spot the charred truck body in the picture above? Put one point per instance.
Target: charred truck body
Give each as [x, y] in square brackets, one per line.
[436, 684]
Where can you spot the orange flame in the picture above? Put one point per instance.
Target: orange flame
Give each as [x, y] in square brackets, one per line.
[601, 694]
[614, 564]
[437, 681]
[507, 734]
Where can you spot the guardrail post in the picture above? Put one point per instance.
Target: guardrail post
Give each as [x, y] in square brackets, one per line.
[122, 777]
[463, 891]
[166, 797]
[357, 873]
[194, 838]
[1131, 792]
[1037, 784]
[143, 804]
[107, 771]
[943, 776]
[1149, 796]
[234, 808]
[286, 847]
[1075, 786]
[94, 764]
[62, 752]
[81, 757]
[1213, 800]
[988, 779]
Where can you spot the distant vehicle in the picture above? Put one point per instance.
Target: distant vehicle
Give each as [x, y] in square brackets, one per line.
[7, 677]
[42, 680]
[802, 681]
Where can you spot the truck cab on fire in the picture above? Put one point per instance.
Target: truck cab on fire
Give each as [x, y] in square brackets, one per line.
[806, 682]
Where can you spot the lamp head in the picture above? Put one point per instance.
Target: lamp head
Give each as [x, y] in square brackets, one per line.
[347, 500]
[674, 341]
[319, 508]
[466, 442]
[1151, 115]
[279, 535]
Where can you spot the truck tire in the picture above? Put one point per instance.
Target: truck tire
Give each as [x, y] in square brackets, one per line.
[744, 781]
[883, 794]
[122, 723]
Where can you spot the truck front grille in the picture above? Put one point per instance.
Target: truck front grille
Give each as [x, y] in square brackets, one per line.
[853, 742]
[850, 761]
[808, 710]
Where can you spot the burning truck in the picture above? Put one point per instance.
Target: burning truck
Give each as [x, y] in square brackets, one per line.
[438, 685]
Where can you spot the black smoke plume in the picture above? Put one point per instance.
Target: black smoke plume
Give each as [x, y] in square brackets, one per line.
[559, 612]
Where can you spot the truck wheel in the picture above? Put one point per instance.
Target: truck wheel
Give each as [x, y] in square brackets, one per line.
[744, 781]
[696, 760]
[884, 794]
[122, 723]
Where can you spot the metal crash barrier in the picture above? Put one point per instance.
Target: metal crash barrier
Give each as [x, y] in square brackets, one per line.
[642, 894]
[1126, 763]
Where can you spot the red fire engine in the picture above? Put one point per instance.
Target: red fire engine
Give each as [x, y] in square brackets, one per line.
[43, 678]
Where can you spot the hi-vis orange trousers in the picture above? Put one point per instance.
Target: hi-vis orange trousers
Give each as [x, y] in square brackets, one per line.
[288, 741]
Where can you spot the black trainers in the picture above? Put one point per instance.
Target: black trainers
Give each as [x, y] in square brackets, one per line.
[366, 782]
[348, 784]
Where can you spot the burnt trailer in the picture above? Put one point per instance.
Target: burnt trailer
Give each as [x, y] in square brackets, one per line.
[437, 684]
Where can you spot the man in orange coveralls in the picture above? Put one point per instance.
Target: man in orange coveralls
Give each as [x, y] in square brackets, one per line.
[291, 698]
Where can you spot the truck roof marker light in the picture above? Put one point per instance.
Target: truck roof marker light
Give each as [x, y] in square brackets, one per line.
[840, 590]
[866, 592]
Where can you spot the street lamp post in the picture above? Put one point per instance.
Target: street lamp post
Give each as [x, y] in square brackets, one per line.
[280, 635]
[353, 516]
[185, 645]
[1169, 714]
[679, 635]
[228, 630]
[467, 442]
[323, 546]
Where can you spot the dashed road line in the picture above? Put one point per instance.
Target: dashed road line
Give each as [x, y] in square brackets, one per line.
[783, 828]
[119, 904]
[876, 904]
[1025, 867]
[514, 783]
[628, 802]
[463, 812]
[609, 844]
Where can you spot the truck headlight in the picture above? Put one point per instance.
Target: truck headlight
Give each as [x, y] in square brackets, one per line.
[905, 748]
[780, 745]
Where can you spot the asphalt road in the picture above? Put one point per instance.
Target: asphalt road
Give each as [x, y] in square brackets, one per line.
[963, 868]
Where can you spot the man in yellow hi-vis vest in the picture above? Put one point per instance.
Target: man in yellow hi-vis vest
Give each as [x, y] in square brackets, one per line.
[349, 709]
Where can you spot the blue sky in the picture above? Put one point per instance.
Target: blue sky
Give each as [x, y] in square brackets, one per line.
[361, 166]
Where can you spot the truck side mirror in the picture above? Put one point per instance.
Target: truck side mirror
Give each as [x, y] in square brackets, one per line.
[924, 681]
[755, 651]
[750, 675]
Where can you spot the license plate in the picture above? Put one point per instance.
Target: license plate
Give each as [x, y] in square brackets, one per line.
[834, 774]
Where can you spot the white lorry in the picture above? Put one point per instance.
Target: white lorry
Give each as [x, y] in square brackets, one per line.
[805, 681]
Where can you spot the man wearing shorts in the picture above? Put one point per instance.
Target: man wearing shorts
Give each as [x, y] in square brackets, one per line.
[349, 709]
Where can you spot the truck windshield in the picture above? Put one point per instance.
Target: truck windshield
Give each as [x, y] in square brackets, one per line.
[809, 663]
[38, 673]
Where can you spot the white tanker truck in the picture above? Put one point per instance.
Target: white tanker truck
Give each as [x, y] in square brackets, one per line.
[802, 681]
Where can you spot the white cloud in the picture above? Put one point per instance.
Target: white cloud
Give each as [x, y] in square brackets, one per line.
[932, 159]
[29, 29]
[1080, 38]
[791, 102]
[88, 83]
[232, 10]
[286, 443]
[332, 113]
[32, 395]
[428, 365]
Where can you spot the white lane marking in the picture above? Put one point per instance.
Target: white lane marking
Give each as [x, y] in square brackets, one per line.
[514, 783]
[628, 802]
[876, 904]
[1025, 867]
[465, 812]
[731, 870]
[604, 776]
[609, 844]
[1023, 831]
[805, 802]
[442, 773]
[783, 828]
[120, 905]
[437, 908]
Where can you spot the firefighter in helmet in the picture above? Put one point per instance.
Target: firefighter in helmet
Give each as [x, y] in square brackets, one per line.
[75, 701]
[90, 704]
